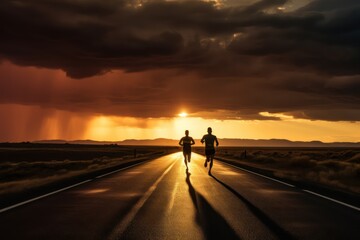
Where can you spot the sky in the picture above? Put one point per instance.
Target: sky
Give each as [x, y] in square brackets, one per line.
[124, 69]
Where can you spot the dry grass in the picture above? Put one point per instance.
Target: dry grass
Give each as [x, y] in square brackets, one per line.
[24, 167]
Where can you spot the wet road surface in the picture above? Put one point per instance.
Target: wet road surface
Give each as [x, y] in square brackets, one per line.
[161, 200]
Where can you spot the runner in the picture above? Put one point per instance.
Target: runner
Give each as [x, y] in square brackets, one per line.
[186, 143]
[209, 140]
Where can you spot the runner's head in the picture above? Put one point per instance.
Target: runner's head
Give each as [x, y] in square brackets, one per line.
[187, 132]
[209, 130]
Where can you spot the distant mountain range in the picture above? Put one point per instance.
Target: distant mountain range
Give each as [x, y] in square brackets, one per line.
[223, 142]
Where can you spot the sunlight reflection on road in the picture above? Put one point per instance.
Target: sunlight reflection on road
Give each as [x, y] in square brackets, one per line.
[224, 170]
[134, 172]
[95, 191]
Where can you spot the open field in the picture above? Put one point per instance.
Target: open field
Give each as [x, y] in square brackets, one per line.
[333, 167]
[25, 166]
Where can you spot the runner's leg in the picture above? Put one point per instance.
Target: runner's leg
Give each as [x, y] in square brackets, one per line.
[185, 159]
[211, 163]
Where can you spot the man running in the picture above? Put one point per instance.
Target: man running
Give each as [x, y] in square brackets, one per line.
[209, 140]
[186, 143]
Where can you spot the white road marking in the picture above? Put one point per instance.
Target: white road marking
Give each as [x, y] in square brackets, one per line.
[290, 185]
[62, 189]
[333, 200]
[42, 196]
[172, 199]
[119, 230]
[273, 179]
[106, 174]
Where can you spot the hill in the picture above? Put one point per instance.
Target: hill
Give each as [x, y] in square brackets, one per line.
[223, 142]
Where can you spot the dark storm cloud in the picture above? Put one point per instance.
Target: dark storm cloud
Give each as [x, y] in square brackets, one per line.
[252, 59]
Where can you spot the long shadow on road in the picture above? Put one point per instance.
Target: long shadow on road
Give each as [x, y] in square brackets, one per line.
[266, 220]
[211, 222]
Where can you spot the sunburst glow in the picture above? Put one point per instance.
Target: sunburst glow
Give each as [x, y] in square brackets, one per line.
[183, 114]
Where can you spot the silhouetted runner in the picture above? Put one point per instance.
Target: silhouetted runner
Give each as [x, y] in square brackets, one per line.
[186, 143]
[209, 140]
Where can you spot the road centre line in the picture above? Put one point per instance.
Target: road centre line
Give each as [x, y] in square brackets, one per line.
[121, 227]
[290, 185]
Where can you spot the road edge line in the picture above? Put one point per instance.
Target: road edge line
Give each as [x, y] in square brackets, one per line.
[332, 199]
[63, 189]
[258, 174]
[42, 196]
[106, 174]
[290, 185]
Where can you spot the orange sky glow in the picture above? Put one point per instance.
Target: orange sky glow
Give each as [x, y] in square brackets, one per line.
[115, 70]
[58, 124]
[28, 122]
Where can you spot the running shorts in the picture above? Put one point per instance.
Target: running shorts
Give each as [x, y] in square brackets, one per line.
[209, 151]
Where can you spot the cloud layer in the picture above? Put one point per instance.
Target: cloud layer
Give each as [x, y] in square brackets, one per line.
[226, 60]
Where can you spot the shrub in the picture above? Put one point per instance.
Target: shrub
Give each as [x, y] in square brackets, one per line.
[355, 158]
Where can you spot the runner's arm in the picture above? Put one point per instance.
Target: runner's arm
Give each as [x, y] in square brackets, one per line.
[180, 142]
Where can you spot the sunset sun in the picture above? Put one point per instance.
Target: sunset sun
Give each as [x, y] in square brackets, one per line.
[183, 114]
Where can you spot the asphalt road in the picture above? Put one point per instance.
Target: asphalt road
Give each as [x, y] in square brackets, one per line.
[161, 200]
